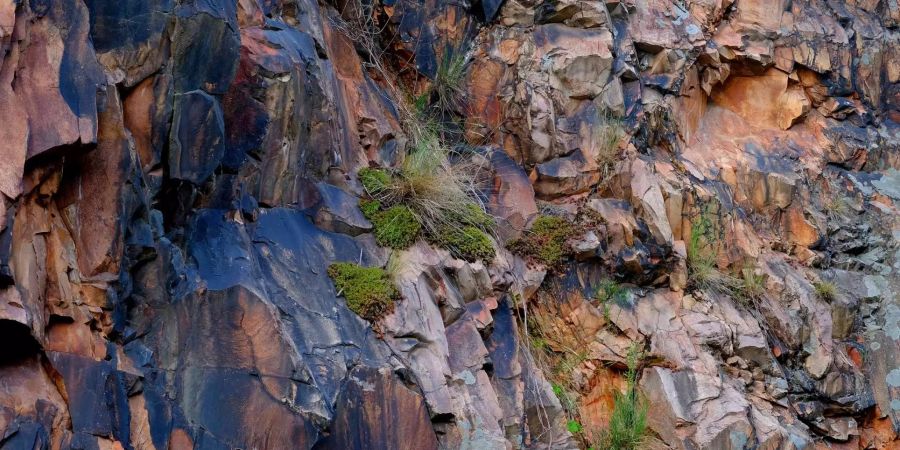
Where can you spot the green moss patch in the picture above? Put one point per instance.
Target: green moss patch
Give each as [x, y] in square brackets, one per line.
[472, 214]
[369, 208]
[398, 206]
[396, 227]
[368, 290]
[469, 243]
[374, 181]
[547, 241]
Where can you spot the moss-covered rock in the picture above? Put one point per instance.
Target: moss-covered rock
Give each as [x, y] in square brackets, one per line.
[369, 208]
[369, 291]
[546, 242]
[474, 215]
[374, 181]
[395, 227]
[468, 242]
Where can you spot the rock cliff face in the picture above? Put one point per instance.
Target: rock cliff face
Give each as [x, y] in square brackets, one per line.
[178, 175]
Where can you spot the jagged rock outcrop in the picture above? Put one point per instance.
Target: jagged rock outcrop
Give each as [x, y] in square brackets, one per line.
[178, 175]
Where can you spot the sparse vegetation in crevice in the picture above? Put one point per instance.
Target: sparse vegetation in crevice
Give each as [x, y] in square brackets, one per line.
[825, 290]
[746, 287]
[369, 291]
[434, 183]
[628, 423]
[750, 287]
[448, 81]
[701, 258]
[609, 291]
[547, 241]
[703, 274]
[559, 352]
[837, 207]
[607, 136]
[427, 194]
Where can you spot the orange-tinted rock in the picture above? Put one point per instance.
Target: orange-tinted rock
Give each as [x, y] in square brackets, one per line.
[766, 101]
[597, 404]
[579, 60]
[511, 194]
[94, 194]
[484, 106]
[376, 410]
[187, 305]
[800, 231]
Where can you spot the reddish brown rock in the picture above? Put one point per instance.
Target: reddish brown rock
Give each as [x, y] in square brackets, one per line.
[177, 177]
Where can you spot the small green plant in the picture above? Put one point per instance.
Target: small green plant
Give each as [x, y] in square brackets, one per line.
[750, 287]
[703, 274]
[448, 81]
[574, 426]
[825, 290]
[469, 243]
[375, 181]
[557, 390]
[368, 290]
[628, 422]
[570, 362]
[396, 227]
[566, 397]
[610, 291]
[546, 242]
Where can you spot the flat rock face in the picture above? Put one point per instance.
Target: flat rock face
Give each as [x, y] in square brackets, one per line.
[177, 176]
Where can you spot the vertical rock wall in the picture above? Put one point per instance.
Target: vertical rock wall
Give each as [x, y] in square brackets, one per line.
[177, 175]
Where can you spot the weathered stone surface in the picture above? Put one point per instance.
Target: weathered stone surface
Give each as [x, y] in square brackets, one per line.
[371, 396]
[129, 36]
[511, 196]
[177, 177]
[198, 142]
[580, 61]
[338, 211]
[206, 44]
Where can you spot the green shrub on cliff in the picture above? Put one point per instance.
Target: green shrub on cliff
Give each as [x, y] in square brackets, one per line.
[375, 181]
[427, 194]
[628, 422]
[546, 242]
[368, 290]
[468, 242]
[825, 290]
[449, 79]
[395, 227]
